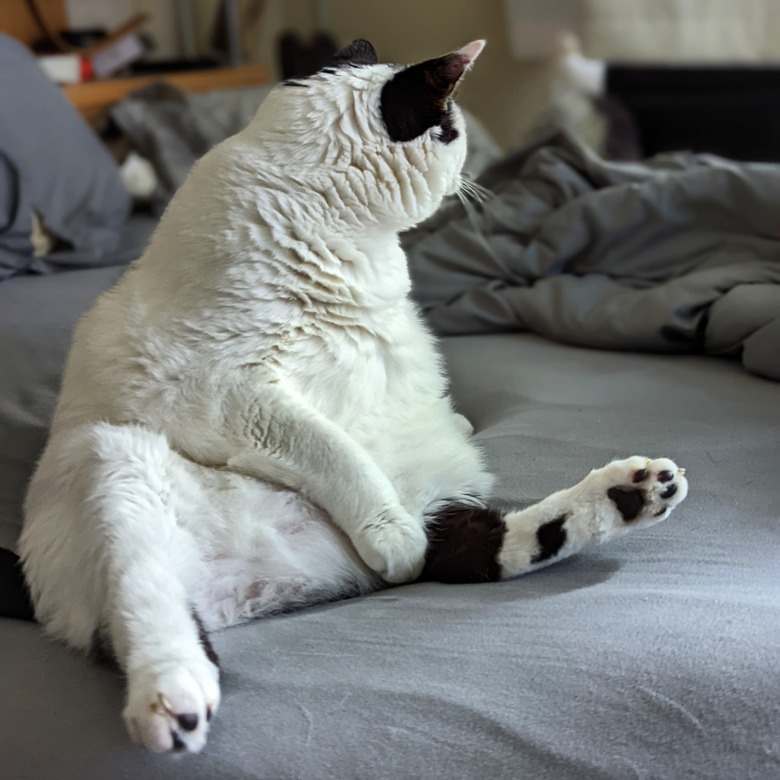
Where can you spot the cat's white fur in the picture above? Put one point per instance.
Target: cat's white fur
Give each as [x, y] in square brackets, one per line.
[255, 417]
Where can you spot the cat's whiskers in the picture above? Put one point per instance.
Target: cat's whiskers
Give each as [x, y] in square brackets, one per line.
[470, 190]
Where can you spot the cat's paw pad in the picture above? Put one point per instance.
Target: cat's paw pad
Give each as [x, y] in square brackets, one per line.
[393, 545]
[643, 490]
[170, 707]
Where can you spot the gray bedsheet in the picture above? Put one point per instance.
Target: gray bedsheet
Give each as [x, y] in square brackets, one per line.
[36, 318]
[681, 253]
[653, 657]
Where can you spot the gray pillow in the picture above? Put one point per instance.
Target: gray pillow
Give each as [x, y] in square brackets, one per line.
[53, 166]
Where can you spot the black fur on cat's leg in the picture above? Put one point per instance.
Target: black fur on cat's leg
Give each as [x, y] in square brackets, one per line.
[15, 601]
[550, 536]
[205, 642]
[101, 651]
[463, 545]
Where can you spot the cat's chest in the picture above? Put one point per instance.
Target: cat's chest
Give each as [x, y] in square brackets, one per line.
[357, 373]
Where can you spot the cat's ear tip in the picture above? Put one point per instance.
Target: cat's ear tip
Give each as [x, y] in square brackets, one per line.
[472, 50]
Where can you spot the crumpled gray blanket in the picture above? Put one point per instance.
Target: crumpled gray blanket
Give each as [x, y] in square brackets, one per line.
[172, 128]
[680, 253]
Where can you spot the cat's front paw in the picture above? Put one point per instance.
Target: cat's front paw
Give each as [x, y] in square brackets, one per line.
[393, 545]
[170, 707]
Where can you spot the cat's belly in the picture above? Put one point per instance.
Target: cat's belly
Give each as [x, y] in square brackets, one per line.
[264, 549]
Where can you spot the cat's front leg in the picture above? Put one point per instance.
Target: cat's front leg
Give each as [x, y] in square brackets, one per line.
[276, 436]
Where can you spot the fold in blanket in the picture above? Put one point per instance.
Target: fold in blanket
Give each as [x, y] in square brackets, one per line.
[677, 254]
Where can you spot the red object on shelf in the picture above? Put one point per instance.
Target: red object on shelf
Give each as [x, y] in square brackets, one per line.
[86, 69]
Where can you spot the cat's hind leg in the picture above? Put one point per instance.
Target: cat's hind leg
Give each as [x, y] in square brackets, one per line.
[106, 556]
[479, 544]
[152, 569]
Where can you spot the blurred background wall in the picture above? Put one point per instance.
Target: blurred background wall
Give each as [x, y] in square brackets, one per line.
[505, 92]
[544, 57]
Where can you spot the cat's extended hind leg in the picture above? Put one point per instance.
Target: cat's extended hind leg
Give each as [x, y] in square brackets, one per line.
[107, 557]
[479, 544]
[152, 566]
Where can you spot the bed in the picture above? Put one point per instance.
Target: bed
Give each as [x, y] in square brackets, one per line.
[656, 656]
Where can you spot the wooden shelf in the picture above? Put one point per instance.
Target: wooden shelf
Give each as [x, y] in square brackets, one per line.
[93, 98]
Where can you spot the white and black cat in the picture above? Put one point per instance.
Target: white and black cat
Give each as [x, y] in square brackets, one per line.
[255, 418]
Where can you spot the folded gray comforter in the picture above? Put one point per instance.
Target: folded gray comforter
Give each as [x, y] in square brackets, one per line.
[680, 253]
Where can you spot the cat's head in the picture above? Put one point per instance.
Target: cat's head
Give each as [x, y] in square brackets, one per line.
[387, 139]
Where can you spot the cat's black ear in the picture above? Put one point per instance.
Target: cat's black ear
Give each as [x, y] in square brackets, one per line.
[359, 52]
[415, 99]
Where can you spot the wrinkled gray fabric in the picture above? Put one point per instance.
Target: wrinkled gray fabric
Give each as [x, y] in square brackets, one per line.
[173, 129]
[681, 253]
[652, 657]
[37, 315]
[52, 164]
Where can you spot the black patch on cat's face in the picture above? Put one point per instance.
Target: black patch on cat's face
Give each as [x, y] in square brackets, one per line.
[418, 98]
[463, 545]
[359, 52]
[550, 536]
[448, 132]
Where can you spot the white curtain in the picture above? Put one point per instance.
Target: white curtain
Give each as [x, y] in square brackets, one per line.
[649, 31]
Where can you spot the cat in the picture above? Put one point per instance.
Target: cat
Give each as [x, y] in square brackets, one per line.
[255, 417]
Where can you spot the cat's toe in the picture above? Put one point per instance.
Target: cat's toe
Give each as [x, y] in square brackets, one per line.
[169, 708]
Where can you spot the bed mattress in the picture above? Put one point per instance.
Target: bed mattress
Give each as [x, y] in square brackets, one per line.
[655, 656]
